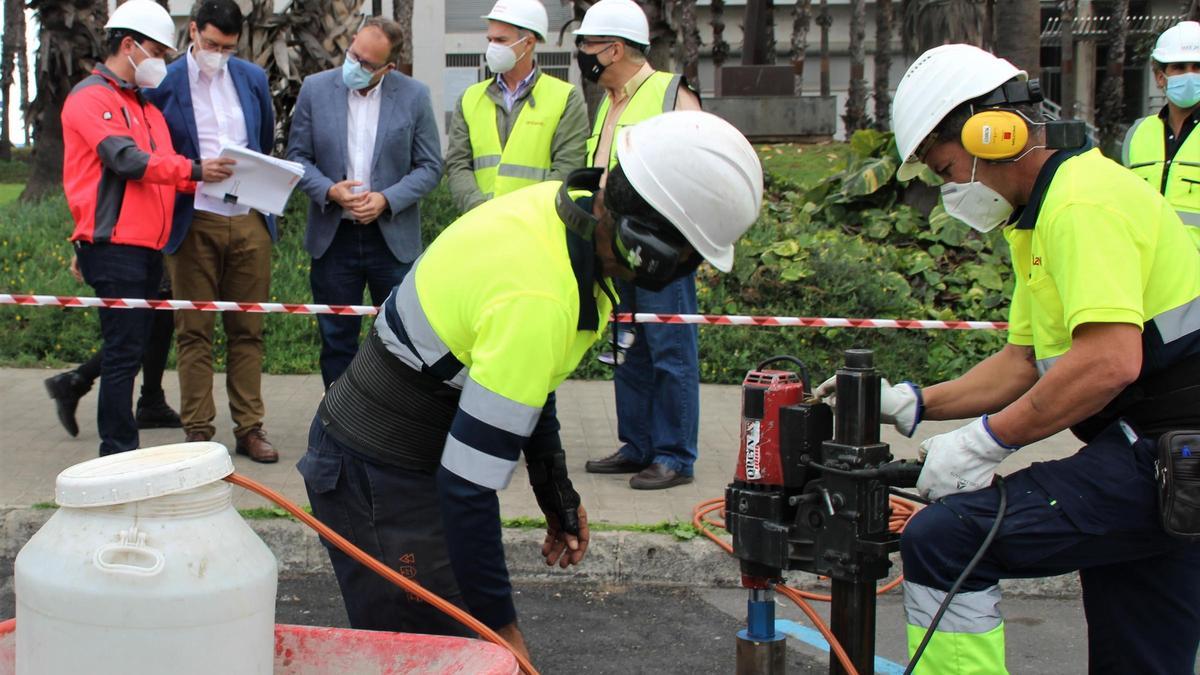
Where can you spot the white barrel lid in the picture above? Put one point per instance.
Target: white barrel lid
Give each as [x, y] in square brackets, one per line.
[142, 474]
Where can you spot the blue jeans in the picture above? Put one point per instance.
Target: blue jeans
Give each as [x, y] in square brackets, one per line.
[658, 385]
[1141, 595]
[357, 259]
[119, 271]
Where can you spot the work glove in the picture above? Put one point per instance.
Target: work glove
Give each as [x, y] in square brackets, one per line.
[899, 405]
[963, 460]
[555, 494]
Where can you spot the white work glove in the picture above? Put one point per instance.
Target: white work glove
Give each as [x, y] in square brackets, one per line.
[963, 460]
[899, 405]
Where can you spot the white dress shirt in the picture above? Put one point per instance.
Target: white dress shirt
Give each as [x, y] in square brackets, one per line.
[362, 121]
[219, 122]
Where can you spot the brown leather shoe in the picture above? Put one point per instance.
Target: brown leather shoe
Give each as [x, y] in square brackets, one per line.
[254, 444]
[614, 463]
[198, 437]
[658, 477]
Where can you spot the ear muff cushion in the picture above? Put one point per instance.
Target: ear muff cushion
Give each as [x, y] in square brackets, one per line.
[995, 134]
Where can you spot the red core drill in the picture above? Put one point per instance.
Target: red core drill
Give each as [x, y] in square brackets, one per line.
[808, 496]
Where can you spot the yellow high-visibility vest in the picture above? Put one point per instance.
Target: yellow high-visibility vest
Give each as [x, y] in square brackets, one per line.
[1144, 152]
[656, 96]
[524, 159]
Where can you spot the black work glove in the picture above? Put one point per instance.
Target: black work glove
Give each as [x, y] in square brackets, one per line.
[555, 495]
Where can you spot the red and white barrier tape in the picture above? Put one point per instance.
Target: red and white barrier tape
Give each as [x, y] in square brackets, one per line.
[366, 310]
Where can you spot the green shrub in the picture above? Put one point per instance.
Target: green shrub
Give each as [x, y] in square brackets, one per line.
[854, 244]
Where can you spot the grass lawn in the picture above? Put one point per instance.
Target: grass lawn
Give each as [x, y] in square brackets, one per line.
[803, 164]
[10, 191]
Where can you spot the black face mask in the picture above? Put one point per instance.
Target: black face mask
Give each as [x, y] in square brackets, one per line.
[589, 64]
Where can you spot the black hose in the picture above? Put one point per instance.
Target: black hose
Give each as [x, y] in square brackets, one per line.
[987, 542]
[804, 379]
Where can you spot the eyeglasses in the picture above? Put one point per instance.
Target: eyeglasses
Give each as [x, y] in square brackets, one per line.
[366, 65]
[584, 42]
[210, 46]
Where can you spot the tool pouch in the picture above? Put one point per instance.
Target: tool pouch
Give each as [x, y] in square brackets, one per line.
[1178, 471]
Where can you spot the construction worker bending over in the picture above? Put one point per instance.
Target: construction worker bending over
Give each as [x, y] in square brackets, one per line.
[520, 127]
[456, 372]
[1104, 339]
[1161, 148]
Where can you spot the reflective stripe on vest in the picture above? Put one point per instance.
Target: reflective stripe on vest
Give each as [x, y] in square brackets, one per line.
[524, 159]
[1144, 152]
[657, 95]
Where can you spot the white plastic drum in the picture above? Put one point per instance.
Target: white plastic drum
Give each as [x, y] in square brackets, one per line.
[146, 569]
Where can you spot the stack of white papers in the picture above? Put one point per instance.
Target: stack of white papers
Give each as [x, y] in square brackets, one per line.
[259, 181]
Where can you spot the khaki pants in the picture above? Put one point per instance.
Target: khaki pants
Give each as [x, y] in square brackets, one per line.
[222, 258]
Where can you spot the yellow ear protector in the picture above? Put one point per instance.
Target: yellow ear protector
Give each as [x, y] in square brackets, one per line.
[995, 134]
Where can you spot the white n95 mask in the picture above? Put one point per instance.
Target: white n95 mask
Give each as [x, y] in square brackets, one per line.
[975, 204]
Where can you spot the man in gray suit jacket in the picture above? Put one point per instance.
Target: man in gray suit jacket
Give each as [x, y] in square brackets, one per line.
[369, 144]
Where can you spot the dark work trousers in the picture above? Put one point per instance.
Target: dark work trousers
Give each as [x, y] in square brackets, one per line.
[154, 361]
[391, 513]
[119, 271]
[1096, 512]
[357, 259]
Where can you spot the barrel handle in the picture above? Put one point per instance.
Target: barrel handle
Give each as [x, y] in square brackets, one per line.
[130, 556]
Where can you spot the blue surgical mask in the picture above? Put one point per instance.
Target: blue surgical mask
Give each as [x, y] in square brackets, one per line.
[1184, 90]
[354, 75]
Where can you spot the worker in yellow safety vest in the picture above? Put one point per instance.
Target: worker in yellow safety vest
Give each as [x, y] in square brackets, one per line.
[657, 378]
[520, 127]
[408, 448]
[1103, 339]
[1161, 148]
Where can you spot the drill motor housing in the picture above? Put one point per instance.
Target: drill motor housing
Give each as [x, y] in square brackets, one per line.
[810, 494]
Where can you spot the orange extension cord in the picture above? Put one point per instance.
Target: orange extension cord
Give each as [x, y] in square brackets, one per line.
[902, 510]
[379, 568]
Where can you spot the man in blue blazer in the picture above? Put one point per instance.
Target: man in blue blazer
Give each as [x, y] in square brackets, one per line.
[218, 250]
[368, 141]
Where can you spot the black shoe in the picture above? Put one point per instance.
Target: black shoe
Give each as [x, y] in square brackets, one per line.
[657, 477]
[66, 389]
[614, 463]
[154, 413]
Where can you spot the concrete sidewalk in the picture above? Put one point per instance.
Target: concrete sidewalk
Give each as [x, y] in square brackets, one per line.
[34, 447]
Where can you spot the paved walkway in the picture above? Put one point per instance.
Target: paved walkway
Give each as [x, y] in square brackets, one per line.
[34, 447]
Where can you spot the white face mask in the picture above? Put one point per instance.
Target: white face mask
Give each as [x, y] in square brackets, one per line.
[150, 72]
[210, 63]
[975, 204]
[502, 58]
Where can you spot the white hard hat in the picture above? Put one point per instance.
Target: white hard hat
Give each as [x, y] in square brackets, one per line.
[700, 173]
[616, 18]
[939, 81]
[146, 17]
[527, 14]
[1178, 44]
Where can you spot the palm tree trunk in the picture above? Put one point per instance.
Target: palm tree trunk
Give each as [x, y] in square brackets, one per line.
[855, 116]
[929, 23]
[884, 27]
[824, 20]
[70, 38]
[1067, 67]
[1019, 41]
[801, 22]
[770, 46]
[1110, 111]
[691, 42]
[720, 48]
[402, 13]
[8, 52]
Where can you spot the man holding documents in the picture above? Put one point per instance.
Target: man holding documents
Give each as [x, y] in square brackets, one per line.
[219, 249]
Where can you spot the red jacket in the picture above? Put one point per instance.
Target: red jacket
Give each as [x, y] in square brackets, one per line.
[120, 171]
